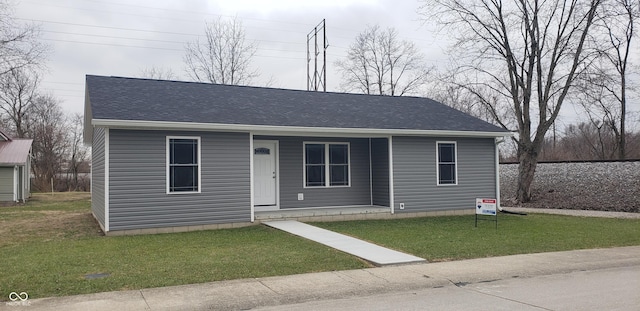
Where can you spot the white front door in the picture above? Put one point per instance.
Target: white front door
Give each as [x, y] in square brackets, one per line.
[264, 173]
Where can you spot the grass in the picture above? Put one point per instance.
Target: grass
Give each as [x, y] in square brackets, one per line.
[49, 245]
[455, 237]
[53, 261]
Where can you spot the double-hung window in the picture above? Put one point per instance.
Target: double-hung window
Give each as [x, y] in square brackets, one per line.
[183, 164]
[447, 163]
[326, 164]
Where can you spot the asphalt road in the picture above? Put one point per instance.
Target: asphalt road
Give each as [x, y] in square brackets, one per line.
[608, 289]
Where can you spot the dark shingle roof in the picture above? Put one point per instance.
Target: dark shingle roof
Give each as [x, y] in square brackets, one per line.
[116, 98]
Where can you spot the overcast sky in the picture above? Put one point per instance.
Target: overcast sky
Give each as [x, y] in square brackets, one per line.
[121, 38]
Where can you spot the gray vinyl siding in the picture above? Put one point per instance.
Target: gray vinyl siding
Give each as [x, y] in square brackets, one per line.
[380, 171]
[97, 175]
[415, 185]
[291, 175]
[137, 181]
[6, 184]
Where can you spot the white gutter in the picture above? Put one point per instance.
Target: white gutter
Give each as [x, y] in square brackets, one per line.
[285, 130]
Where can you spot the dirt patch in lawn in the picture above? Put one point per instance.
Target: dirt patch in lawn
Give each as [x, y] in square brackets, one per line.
[23, 226]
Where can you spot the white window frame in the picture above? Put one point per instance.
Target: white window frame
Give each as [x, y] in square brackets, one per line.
[327, 165]
[455, 159]
[168, 168]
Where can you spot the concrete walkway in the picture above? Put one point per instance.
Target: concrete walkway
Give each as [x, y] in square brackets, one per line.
[377, 255]
[282, 290]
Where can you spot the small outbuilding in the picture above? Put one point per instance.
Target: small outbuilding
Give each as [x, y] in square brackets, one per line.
[176, 156]
[15, 169]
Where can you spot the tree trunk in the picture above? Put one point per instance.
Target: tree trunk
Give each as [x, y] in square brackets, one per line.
[528, 161]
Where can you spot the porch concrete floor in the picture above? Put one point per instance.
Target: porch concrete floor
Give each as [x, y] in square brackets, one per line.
[297, 213]
[377, 255]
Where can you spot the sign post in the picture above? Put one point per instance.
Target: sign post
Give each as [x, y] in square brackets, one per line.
[486, 207]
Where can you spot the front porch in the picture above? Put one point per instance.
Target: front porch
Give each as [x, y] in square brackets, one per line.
[291, 173]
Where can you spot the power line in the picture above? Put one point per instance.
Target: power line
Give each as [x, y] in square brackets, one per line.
[153, 40]
[196, 12]
[109, 27]
[111, 37]
[165, 49]
[113, 44]
[56, 82]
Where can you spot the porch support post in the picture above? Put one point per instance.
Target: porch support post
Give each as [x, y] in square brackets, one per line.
[370, 175]
[391, 195]
[253, 215]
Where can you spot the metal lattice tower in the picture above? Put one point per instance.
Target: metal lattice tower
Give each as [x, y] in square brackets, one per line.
[317, 79]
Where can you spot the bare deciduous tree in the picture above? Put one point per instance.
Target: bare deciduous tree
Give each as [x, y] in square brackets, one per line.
[605, 89]
[378, 62]
[18, 91]
[47, 126]
[158, 73]
[76, 152]
[522, 57]
[222, 56]
[19, 45]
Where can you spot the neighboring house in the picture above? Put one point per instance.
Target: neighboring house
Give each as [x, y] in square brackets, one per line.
[15, 169]
[173, 155]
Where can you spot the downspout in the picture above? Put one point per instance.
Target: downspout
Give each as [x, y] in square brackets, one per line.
[16, 184]
[498, 142]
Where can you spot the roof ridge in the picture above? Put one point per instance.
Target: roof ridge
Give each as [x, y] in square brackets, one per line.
[257, 87]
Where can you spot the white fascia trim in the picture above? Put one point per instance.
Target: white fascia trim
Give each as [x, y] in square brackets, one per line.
[106, 180]
[288, 130]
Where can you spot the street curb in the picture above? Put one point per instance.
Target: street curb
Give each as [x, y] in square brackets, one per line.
[278, 290]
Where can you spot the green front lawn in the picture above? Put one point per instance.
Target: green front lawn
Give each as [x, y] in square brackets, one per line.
[48, 246]
[456, 238]
[56, 268]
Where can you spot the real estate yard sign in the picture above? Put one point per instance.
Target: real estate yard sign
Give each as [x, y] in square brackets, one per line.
[487, 207]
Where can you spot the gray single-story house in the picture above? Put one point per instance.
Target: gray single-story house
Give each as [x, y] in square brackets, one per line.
[15, 169]
[175, 156]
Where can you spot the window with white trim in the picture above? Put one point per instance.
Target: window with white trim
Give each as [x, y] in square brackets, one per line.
[183, 164]
[447, 163]
[326, 164]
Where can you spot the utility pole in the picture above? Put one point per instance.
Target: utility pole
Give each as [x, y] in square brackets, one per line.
[317, 79]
